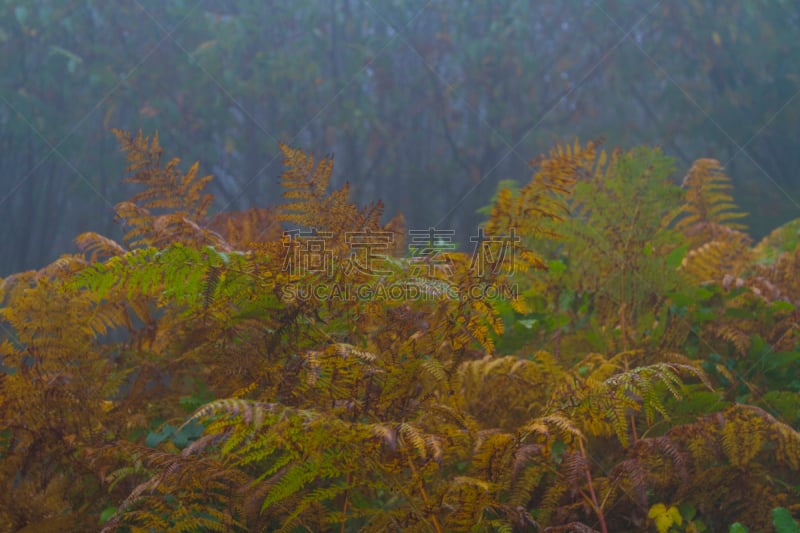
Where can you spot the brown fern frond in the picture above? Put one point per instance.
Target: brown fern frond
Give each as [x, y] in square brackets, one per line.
[778, 242]
[98, 246]
[779, 280]
[243, 228]
[738, 338]
[178, 196]
[173, 228]
[305, 184]
[166, 187]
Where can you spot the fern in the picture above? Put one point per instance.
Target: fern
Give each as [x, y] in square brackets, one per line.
[538, 207]
[710, 209]
[395, 412]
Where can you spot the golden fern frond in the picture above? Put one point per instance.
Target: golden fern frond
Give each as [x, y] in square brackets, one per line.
[652, 463]
[462, 420]
[714, 260]
[410, 436]
[139, 223]
[551, 427]
[529, 477]
[535, 211]
[710, 209]
[528, 383]
[62, 268]
[250, 411]
[494, 453]
[470, 497]
[552, 498]
[786, 438]
[742, 437]
[209, 497]
[739, 433]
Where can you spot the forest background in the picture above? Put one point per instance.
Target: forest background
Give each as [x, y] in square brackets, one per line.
[426, 104]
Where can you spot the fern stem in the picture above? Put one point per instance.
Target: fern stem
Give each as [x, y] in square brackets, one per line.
[623, 329]
[424, 495]
[346, 502]
[595, 504]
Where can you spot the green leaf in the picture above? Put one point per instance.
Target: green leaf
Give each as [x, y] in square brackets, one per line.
[107, 514]
[688, 511]
[674, 258]
[702, 293]
[154, 438]
[187, 434]
[556, 266]
[782, 306]
[783, 521]
[738, 313]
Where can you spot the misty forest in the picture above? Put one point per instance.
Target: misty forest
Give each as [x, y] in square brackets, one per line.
[400, 265]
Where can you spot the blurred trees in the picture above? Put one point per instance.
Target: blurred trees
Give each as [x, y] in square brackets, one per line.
[426, 104]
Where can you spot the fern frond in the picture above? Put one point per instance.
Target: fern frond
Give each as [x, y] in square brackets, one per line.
[710, 211]
[739, 339]
[634, 390]
[409, 435]
[714, 260]
[98, 246]
[541, 204]
[244, 228]
[165, 188]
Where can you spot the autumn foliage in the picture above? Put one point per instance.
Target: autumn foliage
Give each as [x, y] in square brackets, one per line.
[613, 354]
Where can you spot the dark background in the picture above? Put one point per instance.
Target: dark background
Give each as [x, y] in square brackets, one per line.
[426, 104]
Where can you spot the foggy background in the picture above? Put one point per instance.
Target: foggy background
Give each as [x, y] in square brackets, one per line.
[427, 105]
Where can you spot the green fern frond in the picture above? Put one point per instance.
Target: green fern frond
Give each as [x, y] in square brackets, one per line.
[620, 395]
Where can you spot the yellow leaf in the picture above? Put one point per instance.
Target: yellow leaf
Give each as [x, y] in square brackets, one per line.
[663, 517]
[675, 514]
